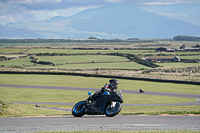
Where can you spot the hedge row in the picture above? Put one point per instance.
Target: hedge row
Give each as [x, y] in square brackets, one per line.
[62, 54]
[103, 76]
[136, 59]
[190, 60]
[141, 61]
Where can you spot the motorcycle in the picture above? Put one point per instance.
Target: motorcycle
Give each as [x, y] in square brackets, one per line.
[108, 104]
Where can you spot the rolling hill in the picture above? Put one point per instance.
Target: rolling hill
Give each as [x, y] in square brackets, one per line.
[110, 21]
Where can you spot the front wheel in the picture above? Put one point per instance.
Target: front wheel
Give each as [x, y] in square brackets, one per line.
[111, 111]
[79, 109]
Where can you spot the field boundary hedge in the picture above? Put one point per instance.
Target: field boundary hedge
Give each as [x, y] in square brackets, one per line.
[103, 76]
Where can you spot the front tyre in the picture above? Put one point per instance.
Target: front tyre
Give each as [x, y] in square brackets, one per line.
[79, 109]
[112, 111]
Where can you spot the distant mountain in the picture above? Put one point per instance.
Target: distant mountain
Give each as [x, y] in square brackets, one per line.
[111, 21]
[10, 33]
[131, 21]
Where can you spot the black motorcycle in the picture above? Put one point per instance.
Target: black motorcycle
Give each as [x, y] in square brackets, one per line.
[108, 104]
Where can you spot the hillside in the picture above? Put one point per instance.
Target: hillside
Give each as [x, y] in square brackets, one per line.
[111, 21]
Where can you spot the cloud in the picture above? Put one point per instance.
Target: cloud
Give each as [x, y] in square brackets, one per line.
[29, 10]
[169, 2]
[166, 3]
[36, 10]
[32, 1]
[115, 1]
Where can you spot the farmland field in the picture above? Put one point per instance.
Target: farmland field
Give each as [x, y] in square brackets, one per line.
[81, 58]
[111, 58]
[190, 57]
[97, 58]
[178, 65]
[12, 50]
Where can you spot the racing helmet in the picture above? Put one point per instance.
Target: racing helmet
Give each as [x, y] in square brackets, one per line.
[114, 83]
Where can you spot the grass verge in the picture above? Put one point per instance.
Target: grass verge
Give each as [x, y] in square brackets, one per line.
[173, 131]
[15, 110]
[94, 82]
[42, 95]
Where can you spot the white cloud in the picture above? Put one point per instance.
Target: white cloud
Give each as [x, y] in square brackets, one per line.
[33, 1]
[166, 3]
[115, 1]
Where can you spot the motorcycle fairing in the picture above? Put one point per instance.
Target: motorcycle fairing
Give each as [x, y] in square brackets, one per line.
[101, 103]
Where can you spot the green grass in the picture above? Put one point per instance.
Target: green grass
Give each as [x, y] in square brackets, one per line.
[68, 96]
[81, 58]
[66, 51]
[12, 55]
[45, 95]
[160, 131]
[17, 62]
[12, 50]
[59, 60]
[178, 64]
[89, 62]
[94, 82]
[156, 110]
[72, 51]
[9, 109]
[116, 65]
[190, 57]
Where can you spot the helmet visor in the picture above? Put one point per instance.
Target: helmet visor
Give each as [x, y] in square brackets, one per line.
[115, 84]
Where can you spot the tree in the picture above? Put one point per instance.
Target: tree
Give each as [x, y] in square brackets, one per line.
[91, 37]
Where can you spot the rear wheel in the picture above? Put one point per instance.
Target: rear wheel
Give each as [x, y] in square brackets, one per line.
[79, 109]
[112, 111]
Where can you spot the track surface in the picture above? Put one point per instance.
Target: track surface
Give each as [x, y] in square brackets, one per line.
[101, 123]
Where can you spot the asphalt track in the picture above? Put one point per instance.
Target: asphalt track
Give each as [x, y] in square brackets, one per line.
[102, 123]
[99, 123]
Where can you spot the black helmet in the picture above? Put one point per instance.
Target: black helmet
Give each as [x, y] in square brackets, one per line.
[114, 83]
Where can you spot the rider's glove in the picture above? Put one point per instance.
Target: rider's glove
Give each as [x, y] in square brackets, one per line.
[108, 90]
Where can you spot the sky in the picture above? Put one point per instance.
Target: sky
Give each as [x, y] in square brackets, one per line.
[38, 10]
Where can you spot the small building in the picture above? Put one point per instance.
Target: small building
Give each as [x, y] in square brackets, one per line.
[161, 49]
[183, 46]
[197, 46]
[162, 59]
[171, 50]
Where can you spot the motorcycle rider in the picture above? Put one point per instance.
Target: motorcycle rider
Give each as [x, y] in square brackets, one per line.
[107, 88]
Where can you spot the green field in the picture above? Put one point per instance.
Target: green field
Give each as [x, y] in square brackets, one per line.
[67, 59]
[81, 58]
[69, 96]
[42, 95]
[17, 62]
[173, 131]
[190, 57]
[13, 50]
[178, 64]
[77, 62]
[93, 82]
[73, 51]
[117, 65]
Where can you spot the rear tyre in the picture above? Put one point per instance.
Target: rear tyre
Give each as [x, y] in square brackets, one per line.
[112, 111]
[79, 109]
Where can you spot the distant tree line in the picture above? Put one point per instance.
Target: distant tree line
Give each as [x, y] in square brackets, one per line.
[186, 38]
[55, 41]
